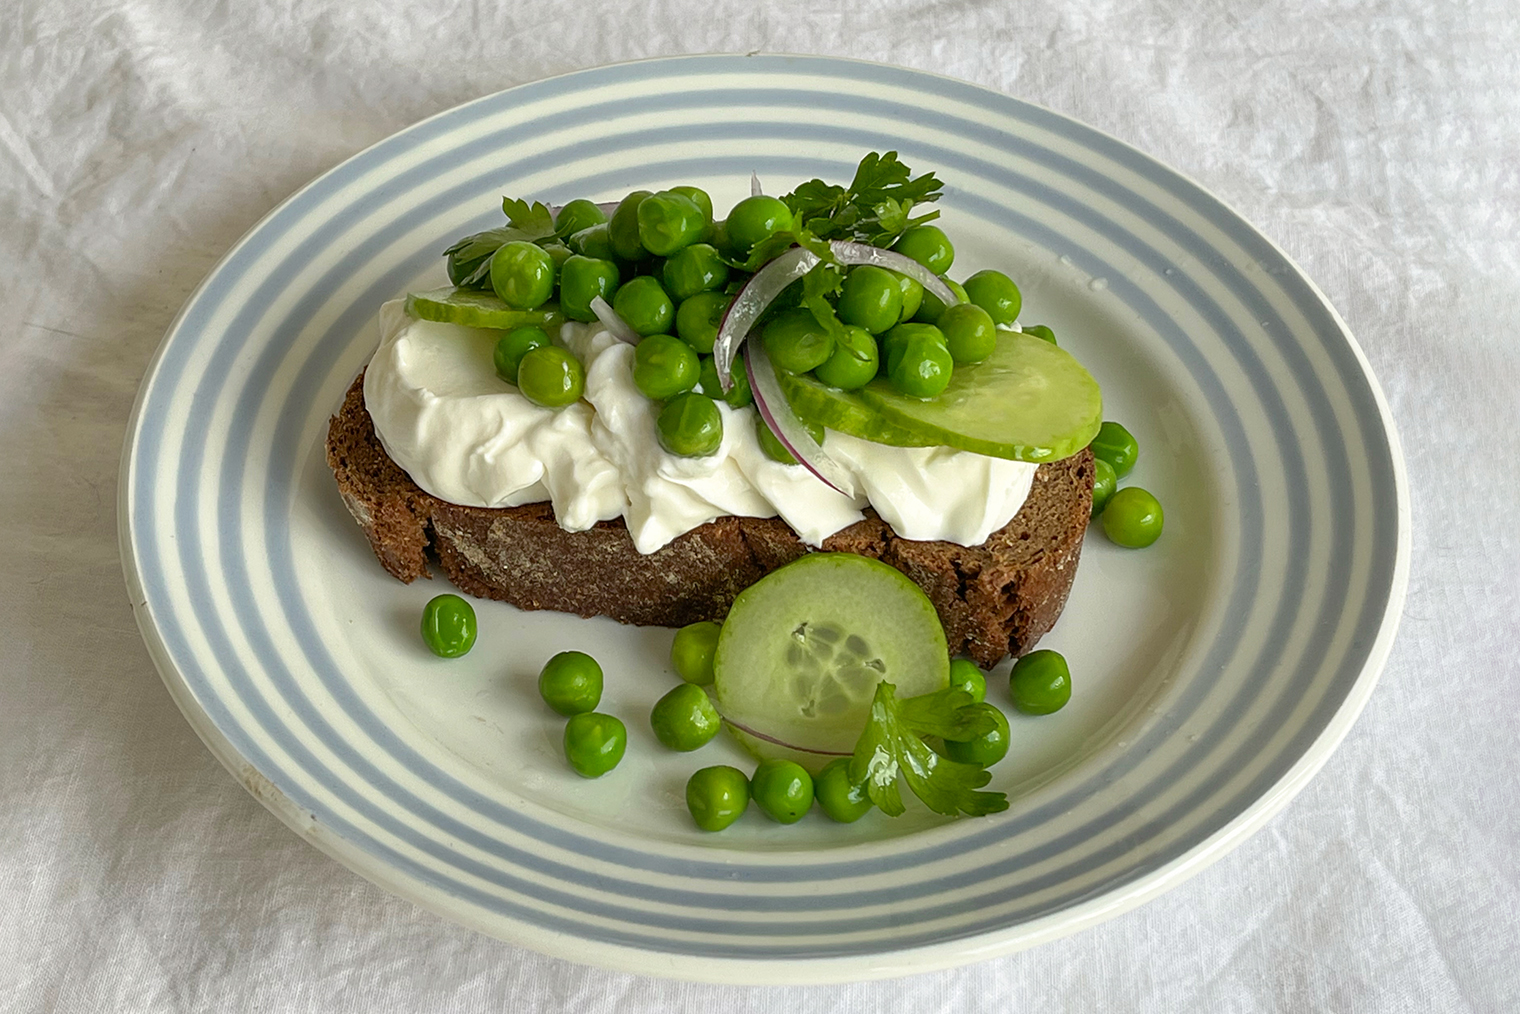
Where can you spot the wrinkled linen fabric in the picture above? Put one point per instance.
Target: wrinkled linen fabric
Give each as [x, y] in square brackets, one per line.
[1378, 141]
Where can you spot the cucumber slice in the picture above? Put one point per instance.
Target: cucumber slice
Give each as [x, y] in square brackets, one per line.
[1029, 401]
[803, 648]
[474, 308]
[843, 411]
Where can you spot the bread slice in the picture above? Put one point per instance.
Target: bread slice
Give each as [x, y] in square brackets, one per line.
[995, 599]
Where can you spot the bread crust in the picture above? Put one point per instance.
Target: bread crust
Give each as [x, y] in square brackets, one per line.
[995, 599]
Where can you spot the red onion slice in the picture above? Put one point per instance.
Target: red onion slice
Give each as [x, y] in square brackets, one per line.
[757, 294]
[865, 253]
[781, 742]
[778, 415]
[615, 325]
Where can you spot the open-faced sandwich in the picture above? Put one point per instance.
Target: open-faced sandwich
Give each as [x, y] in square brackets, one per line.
[639, 417]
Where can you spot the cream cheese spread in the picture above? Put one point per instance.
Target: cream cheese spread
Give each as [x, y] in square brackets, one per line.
[468, 437]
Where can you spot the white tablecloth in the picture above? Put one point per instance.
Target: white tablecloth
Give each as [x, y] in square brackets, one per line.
[1378, 141]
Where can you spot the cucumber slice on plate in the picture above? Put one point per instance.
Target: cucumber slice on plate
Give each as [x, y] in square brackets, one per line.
[802, 651]
[476, 308]
[1029, 401]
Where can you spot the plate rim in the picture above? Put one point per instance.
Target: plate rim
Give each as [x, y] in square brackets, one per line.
[882, 964]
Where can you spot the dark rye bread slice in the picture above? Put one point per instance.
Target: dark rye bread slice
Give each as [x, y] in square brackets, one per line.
[995, 599]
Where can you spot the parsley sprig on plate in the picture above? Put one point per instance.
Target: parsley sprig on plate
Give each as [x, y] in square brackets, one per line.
[893, 746]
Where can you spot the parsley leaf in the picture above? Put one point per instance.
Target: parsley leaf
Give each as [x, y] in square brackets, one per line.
[768, 249]
[815, 199]
[483, 244]
[534, 218]
[471, 255]
[823, 281]
[874, 208]
[946, 714]
[892, 745]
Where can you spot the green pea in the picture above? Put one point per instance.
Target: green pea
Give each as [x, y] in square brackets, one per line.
[1041, 332]
[854, 361]
[969, 332]
[986, 749]
[685, 718]
[577, 215]
[717, 235]
[691, 653]
[870, 298]
[558, 254]
[737, 396]
[697, 268]
[717, 796]
[448, 626]
[522, 275]
[699, 318]
[623, 228]
[930, 307]
[642, 302]
[594, 743]
[697, 196]
[1040, 682]
[690, 425]
[581, 280]
[571, 683]
[1132, 518]
[663, 367]
[512, 346]
[895, 341]
[754, 220]
[923, 369]
[843, 800]
[995, 292]
[782, 789]
[912, 295]
[668, 222]
[772, 445]
[967, 676]
[551, 376]
[928, 245]
[1105, 482]
[593, 242]
[1115, 445]
[796, 342]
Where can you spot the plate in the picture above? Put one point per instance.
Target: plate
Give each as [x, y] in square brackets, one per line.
[1214, 672]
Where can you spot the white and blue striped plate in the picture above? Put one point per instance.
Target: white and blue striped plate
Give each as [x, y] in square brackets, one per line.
[1214, 672]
